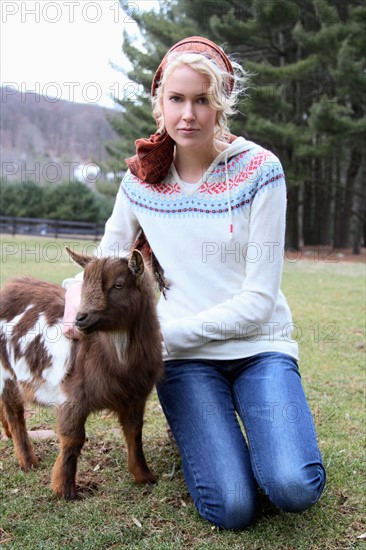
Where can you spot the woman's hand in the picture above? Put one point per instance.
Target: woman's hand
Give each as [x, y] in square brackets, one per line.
[72, 303]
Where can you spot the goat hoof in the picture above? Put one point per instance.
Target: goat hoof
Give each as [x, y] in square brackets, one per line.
[29, 464]
[68, 493]
[7, 433]
[146, 477]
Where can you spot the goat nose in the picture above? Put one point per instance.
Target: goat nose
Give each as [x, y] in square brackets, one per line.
[81, 317]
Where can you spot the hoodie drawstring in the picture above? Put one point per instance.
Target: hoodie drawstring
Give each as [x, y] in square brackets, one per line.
[231, 228]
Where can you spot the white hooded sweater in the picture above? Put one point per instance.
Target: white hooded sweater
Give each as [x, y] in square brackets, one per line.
[220, 242]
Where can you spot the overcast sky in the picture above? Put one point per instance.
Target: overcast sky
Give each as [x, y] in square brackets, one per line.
[64, 48]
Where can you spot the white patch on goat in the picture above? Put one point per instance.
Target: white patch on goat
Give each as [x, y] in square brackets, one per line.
[120, 341]
[20, 365]
[22, 371]
[4, 375]
[50, 395]
[7, 328]
[30, 335]
[55, 344]
[58, 347]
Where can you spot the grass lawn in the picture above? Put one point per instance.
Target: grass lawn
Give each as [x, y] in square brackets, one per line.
[327, 301]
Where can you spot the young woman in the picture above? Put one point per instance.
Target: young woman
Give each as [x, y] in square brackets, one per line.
[212, 207]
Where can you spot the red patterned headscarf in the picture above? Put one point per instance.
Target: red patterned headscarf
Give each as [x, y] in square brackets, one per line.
[154, 156]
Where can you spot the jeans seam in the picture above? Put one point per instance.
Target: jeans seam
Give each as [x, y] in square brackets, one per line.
[256, 469]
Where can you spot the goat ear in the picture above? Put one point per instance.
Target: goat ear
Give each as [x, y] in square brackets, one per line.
[136, 264]
[80, 259]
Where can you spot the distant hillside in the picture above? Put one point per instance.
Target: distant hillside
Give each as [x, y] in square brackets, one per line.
[36, 132]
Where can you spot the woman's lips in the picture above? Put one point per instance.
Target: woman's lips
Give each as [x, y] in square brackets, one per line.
[188, 130]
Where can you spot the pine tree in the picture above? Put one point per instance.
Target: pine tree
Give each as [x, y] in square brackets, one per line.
[160, 30]
[339, 122]
[261, 36]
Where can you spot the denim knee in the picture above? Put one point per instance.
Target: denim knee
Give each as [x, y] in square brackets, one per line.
[229, 514]
[298, 493]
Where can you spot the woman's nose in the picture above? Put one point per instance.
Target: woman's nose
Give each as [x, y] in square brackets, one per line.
[188, 113]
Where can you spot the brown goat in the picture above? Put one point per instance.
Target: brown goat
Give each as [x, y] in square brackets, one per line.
[113, 366]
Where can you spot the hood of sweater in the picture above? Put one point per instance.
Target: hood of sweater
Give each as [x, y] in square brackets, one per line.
[239, 145]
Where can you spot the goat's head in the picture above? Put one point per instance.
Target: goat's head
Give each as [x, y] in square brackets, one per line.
[111, 291]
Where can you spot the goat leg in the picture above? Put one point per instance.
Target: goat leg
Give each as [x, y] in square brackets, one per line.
[131, 420]
[72, 437]
[4, 421]
[12, 416]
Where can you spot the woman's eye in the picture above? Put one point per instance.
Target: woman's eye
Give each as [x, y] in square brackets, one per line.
[203, 101]
[175, 99]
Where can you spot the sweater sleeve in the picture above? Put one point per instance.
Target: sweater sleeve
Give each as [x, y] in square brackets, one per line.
[121, 228]
[254, 304]
[120, 233]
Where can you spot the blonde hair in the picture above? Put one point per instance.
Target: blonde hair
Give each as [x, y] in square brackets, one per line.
[219, 98]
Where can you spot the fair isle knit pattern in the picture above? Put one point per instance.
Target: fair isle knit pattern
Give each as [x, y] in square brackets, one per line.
[248, 174]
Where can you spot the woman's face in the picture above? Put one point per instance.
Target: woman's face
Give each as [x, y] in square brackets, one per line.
[188, 117]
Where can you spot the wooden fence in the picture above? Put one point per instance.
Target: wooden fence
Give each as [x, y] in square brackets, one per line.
[50, 228]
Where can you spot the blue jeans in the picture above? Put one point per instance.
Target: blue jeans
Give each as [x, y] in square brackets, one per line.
[201, 400]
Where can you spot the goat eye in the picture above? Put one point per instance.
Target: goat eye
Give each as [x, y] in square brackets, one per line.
[118, 286]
